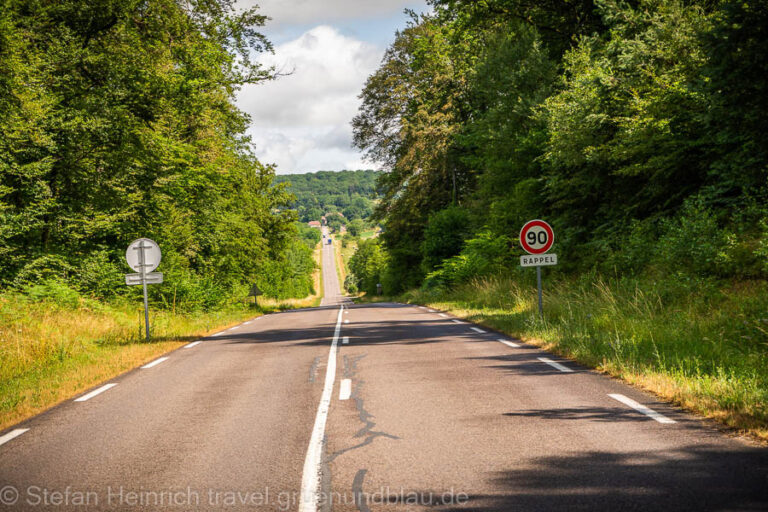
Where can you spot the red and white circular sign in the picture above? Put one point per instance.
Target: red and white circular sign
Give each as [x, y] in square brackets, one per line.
[537, 237]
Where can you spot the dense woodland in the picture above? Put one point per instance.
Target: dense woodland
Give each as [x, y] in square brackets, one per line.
[118, 122]
[636, 128]
[350, 192]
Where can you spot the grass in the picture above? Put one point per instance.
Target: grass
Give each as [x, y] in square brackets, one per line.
[50, 353]
[701, 345]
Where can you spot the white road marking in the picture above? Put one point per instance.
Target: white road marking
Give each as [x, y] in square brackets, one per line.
[154, 363]
[432, 311]
[248, 322]
[457, 321]
[346, 311]
[345, 341]
[346, 321]
[508, 343]
[193, 344]
[555, 365]
[477, 330]
[218, 333]
[310, 478]
[13, 434]
[95, 392]
[641, 408]
[442, 315]
[345, 390]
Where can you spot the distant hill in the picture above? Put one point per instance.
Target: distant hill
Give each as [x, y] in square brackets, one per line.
[350, 192]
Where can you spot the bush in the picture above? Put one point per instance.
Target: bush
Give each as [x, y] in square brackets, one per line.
[56, 292]
[482, 256]
[444, 236]
[368, 265]
[693, 242]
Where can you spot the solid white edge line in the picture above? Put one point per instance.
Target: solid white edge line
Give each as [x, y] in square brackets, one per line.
[345, 389]
[193, 344]
[95, 392]
[345, 341]
[508, 343]
[641, 408]
[154, 363]
[553, 364]
[13, 434]
[310, 478]
[476, 329]
[442, 315]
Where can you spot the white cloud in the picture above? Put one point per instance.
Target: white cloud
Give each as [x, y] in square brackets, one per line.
[301, 121]
[314, 11]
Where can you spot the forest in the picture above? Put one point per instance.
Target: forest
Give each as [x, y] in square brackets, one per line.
[118, 122]
[317, 193]
[636, 129]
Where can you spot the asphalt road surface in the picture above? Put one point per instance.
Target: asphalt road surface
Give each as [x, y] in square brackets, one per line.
[371, 407]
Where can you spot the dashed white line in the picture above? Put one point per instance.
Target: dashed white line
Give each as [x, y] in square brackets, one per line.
[457, 321]
[476, 329]
[218, 333]
[13, 434]
[442, 315]
[154, 363]
[555, 365]
[310, 478]
[641, 408]
[346, 321]
[345, 390]
[508, 343]
[95, 392]
[432, 311]
[193, 344]
[345, 341]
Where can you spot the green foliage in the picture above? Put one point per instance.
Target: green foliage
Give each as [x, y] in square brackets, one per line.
[444, 236]
[367, 266]
[349, 192]
[634, 128]
[356, 227]
[481, 256]
[118, 121]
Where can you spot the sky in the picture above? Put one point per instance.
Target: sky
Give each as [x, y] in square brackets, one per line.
[301, 122]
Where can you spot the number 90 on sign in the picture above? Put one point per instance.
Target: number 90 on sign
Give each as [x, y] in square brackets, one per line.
[536, 237]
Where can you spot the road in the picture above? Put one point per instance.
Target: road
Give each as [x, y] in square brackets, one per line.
[372, 407]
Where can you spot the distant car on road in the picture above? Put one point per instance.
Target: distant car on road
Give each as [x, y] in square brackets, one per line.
[330, 240]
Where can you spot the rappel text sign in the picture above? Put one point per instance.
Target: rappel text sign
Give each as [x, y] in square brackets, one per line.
[538, 260]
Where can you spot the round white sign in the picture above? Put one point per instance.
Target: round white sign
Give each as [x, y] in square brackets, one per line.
[536, 237]
[145, 253]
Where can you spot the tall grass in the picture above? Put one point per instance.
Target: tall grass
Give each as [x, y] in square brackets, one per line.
[700, 344]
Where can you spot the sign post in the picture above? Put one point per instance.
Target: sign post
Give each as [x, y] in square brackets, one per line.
[143, 255]
[536, 238]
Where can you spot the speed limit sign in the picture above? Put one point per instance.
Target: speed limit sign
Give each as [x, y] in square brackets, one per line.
[536, 237]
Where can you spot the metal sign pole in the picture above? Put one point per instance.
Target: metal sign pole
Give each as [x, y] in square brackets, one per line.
[143, 271]
[538, 282]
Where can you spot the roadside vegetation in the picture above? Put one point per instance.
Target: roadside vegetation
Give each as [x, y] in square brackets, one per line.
[632, 129]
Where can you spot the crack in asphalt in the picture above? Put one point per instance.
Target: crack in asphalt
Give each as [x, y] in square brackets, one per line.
[313, 368]
[366, 418]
